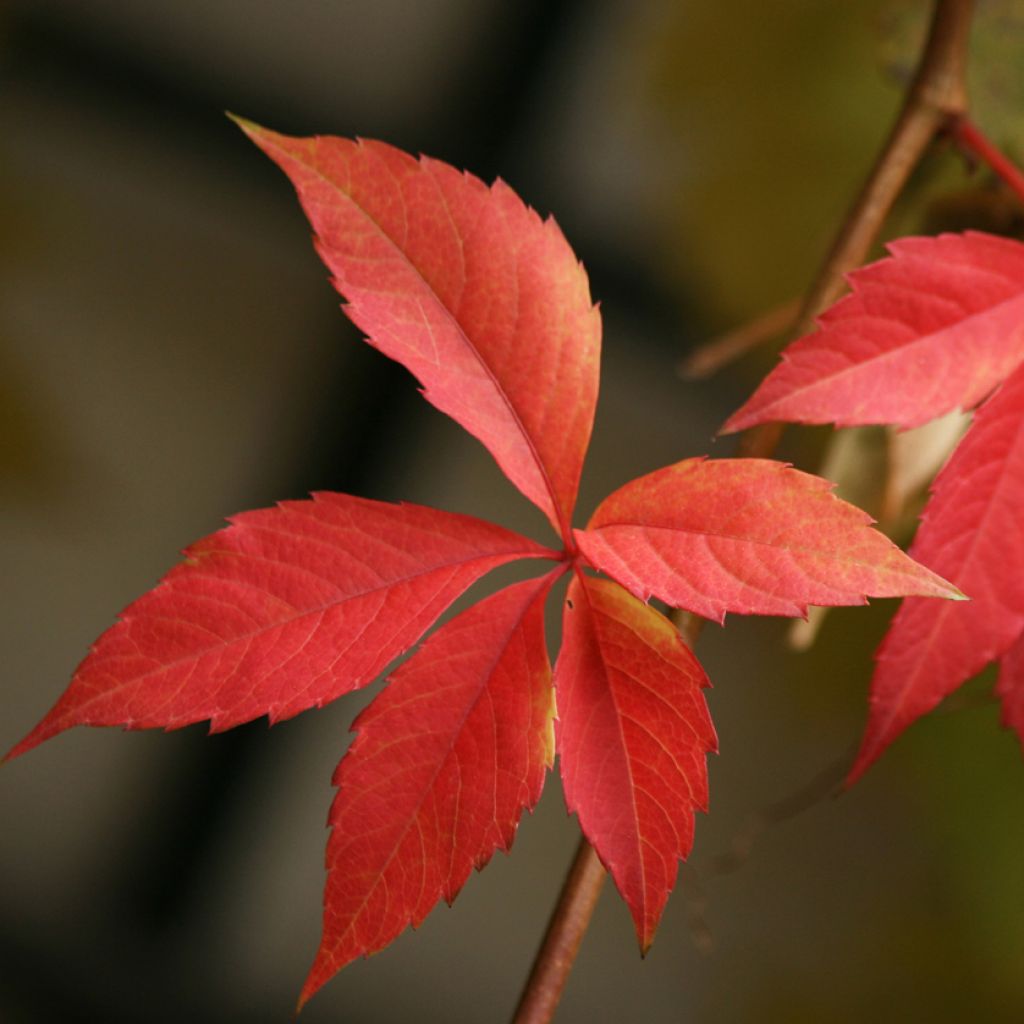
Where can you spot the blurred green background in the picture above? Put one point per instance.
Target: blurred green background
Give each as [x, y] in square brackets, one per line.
[170, 353]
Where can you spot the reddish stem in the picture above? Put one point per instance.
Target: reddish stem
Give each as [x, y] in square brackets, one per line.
[972, 140]
[565, 933]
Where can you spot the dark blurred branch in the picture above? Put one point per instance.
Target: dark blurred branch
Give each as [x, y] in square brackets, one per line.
[710, 357]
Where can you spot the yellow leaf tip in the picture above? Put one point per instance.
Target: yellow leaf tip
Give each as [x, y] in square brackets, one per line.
[247, 126]
[941, 587]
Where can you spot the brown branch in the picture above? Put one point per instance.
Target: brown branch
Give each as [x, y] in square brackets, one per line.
[565, 933]
[825, 784]
[936, 95]
[710, 357]
[936, 101]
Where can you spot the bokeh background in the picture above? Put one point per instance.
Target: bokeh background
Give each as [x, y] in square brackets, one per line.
[170, 353]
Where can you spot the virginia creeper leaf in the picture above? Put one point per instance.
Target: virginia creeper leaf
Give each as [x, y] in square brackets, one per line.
[746, 535]
[933, 327]
[971, 533]
[444, 761]
[285, 609]
[633, 732]
[470, 290]
[1010, 688]
[485, 303]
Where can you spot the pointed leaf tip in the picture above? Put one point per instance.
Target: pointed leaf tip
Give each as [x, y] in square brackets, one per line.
[749, 536]
[633, 734]
[456, 280]
[284, 610]
[970, 532]
[445, 760]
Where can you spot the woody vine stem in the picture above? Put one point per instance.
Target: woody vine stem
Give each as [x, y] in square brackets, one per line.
[935, 105]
